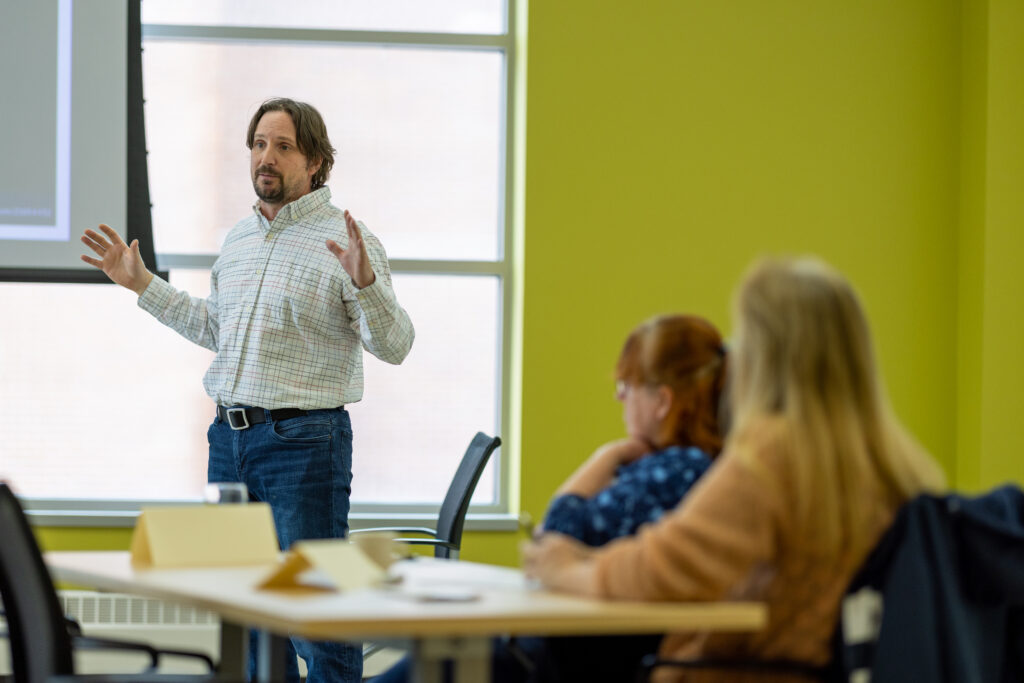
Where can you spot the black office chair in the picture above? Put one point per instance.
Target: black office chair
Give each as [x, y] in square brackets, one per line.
[447, 536]
[42, 645]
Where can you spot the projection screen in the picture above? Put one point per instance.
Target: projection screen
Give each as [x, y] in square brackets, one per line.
[72, 111]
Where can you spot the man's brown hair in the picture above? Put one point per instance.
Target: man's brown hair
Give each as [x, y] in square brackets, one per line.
[310, 133]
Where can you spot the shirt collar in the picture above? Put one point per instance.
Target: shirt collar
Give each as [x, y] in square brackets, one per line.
[292, 212]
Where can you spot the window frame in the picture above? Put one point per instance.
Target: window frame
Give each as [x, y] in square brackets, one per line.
[495, 516]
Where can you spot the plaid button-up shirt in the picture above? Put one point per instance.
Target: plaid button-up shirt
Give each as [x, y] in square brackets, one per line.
[283, 317]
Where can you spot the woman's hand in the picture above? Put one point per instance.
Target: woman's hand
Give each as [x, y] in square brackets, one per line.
[561, 563]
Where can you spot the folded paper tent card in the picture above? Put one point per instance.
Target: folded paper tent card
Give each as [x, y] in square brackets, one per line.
[233, 535]
[332, 564]
[204, 536]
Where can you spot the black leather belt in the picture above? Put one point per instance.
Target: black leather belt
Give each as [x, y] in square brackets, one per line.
[240, 417]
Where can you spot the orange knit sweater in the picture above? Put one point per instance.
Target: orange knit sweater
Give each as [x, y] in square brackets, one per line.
[735, 536]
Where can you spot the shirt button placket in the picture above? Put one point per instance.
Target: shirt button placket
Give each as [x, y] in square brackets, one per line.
[249, 299]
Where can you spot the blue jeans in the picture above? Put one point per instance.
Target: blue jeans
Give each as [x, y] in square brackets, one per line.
[302, 467]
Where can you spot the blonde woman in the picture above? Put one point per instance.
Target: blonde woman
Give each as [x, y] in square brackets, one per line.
[810, 477]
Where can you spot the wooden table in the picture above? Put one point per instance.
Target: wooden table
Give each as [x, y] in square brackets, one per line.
[483, 601]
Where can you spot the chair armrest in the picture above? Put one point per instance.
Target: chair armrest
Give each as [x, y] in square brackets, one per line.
[92, 643]
[398, 530]
[427, 541]
[190, 654]
[74, 628]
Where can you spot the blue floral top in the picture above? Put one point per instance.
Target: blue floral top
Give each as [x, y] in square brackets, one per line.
[642, 492]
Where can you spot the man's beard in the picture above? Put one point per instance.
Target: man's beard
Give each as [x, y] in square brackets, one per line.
[271, 196]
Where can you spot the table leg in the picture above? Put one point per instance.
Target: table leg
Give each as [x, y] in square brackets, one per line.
[471, 659]
[270, 658]
[234, 652]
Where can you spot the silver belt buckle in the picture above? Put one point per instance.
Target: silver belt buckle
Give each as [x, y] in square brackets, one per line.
[231, 420]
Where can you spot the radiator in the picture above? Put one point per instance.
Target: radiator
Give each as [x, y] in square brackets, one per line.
[128, 617]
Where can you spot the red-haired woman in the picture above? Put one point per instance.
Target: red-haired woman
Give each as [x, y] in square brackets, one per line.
[670, 377]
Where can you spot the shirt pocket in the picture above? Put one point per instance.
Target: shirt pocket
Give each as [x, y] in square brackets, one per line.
[306, 299]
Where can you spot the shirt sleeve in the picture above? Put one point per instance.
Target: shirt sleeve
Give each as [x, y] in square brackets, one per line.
[726, 526]
[643, 492]
[191, 317]
[385, 329]
[567, 515]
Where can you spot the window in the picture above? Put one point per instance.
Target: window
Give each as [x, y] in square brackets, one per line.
[415, 94]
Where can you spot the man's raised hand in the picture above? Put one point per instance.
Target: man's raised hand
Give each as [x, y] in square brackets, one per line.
[354, 260]
[122, 263]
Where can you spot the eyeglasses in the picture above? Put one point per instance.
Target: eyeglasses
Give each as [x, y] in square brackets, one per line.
[621, 387]
[624, 388]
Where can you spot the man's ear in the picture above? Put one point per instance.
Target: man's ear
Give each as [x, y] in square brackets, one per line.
[313, 166]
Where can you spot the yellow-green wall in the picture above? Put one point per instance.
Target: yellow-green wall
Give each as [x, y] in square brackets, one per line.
[78, 538]
[1000, 456]
[971, 242]
[671, 142]
[991, 241]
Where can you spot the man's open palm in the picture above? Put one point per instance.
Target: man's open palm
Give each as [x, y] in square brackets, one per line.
[122, 263]
[354, 260]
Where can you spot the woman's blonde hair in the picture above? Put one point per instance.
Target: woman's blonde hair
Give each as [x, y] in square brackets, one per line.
[803, 354]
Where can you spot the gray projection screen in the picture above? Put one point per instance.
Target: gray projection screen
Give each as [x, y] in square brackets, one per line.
[72, 109]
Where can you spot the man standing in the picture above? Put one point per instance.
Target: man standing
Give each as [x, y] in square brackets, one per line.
[288, 310]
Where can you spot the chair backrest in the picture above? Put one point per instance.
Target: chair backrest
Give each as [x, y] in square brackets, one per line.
[950, 570]
[452, 516]
[40, 644]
